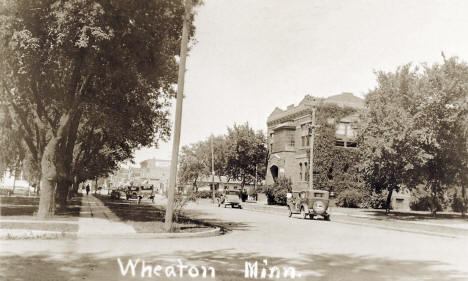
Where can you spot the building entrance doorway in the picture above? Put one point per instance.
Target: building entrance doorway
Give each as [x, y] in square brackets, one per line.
[274, 172]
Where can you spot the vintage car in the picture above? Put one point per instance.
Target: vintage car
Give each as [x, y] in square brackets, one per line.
[230, 197]
[146, 192]
[132, 192]
[309, 203]
[118, 193]
[140, 192]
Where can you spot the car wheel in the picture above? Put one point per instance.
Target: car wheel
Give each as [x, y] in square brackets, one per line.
[290, 212]
[311, 216]
[327, 217]
[240, 207]
[303, 213]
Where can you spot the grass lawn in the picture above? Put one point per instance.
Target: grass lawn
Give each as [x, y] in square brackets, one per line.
[15, 209]
[147, 218]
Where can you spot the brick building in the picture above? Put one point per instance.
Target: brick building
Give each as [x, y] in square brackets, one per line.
[288, 136]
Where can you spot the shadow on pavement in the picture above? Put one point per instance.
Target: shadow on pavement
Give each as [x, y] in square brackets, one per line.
[145, 212]
[228, 266]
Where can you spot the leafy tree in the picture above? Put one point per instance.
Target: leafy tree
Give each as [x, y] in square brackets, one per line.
[193, 163]
[195, 160]
[69, 62]
[246, 151]
[413, 132]
[390, 147]
[441, 117]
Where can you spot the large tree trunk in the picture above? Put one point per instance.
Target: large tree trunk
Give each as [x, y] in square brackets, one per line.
[63, 187]
[389, 200]
[49, 170]
[48, 179]
[434, 200]
[74, 188]
[463, 192]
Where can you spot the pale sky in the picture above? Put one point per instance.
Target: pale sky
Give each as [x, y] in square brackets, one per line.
[254, 55]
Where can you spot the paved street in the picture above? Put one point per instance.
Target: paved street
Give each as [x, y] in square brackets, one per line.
[318, 250]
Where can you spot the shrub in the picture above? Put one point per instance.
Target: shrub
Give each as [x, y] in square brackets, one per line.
[457, 203]
[374, 200]
[180, 201]
[206, 194]
[276, 193]
[349, 198]
[421, 200]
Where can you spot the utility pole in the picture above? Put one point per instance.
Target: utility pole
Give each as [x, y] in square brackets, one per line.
[168, 226]
[255, 186]
[311, 160]
[212, 170]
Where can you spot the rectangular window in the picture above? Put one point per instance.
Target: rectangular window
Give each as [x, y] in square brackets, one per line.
[292, 141]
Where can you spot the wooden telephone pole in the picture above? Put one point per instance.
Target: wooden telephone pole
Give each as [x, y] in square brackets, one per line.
[168, 226]
[212, 170]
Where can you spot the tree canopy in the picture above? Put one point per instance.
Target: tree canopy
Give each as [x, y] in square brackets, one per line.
[88, 81]
[238, 155]
[414, 126]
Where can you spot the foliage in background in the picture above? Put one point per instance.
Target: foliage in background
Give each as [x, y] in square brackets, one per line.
[334, 167]
[374, 200]
[246, 154]
[458, 203]
[236, 156]
[206, 194]
[350, 198]
[276, 193]
[422, 200]
[414, 131]
[180, 201]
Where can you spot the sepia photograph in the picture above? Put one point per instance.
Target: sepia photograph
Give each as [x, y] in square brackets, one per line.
[233, 140]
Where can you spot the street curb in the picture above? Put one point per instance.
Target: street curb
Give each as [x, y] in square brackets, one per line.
[38, 234]
[207, 233]
[423, 232]
[21, 234]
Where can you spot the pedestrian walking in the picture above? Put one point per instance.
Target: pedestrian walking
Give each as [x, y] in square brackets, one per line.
[87, 189]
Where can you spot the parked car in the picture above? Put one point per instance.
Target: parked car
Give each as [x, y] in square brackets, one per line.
[132, 192]
[309, 203]
[146, 192]
[118, 193]
[230, 197]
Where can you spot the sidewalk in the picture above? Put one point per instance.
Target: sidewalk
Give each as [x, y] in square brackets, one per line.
[97, 219]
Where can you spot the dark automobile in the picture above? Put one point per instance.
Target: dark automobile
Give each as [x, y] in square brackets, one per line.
[118, 193]
[132, 192]
[230, 197]
[309, 203]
